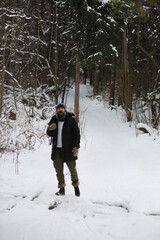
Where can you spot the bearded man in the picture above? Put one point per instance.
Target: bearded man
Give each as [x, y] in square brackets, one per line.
[65, 134]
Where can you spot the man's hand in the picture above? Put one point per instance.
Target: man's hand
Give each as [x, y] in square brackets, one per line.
[52, 127]
[75, 151]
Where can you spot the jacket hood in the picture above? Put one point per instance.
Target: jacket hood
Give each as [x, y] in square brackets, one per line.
[70, 114]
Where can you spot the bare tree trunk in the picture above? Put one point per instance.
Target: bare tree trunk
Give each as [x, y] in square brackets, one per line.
[2, 84]
[56, 57]
[91, 79]
[51, 36]
[3, 69]
[127, 90]
[76, 98]
[37, 59]
[95, 83]
[64, 89]
[85, 75]
[112, 84]
[37, 81]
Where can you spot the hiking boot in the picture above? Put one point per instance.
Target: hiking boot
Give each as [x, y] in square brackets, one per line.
[61, 192]
[77, 192]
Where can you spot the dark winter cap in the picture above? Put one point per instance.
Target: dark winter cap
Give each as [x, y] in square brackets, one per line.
[62, 105]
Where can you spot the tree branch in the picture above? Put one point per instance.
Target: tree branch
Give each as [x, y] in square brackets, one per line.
[144, 50]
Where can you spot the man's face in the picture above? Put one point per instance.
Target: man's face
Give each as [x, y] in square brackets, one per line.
[60, 111]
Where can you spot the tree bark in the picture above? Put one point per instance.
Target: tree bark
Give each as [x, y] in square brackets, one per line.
[85, 75]
[76, 98]
[2, 84]
[3, 69]
[56, 57]
[112, 84]
[37, 59]
[95, 83]
[127, 90]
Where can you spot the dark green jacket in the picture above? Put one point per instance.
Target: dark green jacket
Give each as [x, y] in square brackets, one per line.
[70, 136]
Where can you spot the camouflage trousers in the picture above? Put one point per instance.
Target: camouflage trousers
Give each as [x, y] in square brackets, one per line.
[59, 167]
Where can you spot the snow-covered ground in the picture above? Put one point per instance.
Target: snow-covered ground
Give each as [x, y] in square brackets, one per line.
[119, 182]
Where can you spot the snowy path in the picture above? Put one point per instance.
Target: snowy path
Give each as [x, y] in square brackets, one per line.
[120, 179]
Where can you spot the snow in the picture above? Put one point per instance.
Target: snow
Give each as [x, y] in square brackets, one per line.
[114, 49]
[105, 1]
[119, 182]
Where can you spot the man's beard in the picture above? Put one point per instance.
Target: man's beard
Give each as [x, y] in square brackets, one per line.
[61, 115]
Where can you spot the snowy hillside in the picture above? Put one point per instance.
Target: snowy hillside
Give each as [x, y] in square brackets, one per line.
[119, 181]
